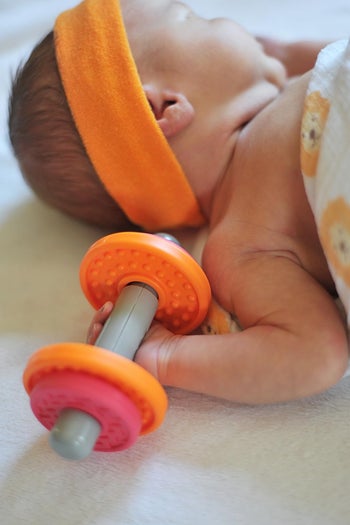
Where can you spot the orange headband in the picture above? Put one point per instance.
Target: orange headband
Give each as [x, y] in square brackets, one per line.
[120, 133]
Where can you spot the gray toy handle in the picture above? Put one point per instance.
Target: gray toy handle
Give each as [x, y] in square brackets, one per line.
[130, 319]
[75, 432]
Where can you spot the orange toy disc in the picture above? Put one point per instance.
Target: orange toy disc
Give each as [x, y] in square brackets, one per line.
[131, 379]
[122, 258]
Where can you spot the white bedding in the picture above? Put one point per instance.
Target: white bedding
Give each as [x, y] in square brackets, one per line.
[211, 462]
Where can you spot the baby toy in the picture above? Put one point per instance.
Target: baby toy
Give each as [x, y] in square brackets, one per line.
[94, 397]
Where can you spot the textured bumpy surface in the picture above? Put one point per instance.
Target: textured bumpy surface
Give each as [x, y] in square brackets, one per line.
[121, 258]
[139, 386]
[118, 416]
[124, 398]
[211, 462]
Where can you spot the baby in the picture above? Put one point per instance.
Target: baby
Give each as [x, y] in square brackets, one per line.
[157, 118]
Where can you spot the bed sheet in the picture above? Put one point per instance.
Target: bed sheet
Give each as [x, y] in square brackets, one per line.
[211, 462]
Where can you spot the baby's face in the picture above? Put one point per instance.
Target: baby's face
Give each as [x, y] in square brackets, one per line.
[219, 67]
[218, 56]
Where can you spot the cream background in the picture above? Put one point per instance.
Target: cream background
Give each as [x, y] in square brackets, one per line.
[211, 462]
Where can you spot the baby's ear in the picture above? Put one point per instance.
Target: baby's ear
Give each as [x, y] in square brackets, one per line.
[172, 110]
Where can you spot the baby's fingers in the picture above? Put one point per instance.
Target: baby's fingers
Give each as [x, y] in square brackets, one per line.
[98, 322]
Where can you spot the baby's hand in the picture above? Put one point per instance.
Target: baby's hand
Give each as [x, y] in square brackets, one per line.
[156, 351]
[157, 345]
[98, 322]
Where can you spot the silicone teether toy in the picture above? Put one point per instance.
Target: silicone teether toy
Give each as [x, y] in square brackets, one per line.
[95, 396]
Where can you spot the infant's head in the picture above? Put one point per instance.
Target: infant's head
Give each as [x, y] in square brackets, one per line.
[85, 134]
[113, 109]
[51, 154]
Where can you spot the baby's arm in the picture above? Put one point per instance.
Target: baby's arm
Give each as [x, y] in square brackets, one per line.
[293, 345]
[298, 57]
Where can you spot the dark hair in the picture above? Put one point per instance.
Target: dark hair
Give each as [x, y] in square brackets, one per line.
[50, 152]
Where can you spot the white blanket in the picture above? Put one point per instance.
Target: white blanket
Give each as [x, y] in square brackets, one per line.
[211, 462]
[325, 155]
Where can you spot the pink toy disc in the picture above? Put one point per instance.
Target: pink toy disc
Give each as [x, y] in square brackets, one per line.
[118, 416]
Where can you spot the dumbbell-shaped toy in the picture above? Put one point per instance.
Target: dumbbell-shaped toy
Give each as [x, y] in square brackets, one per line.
[95, 397]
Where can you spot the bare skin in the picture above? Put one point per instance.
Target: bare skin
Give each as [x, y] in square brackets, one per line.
[271, 272]
[297, 57]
